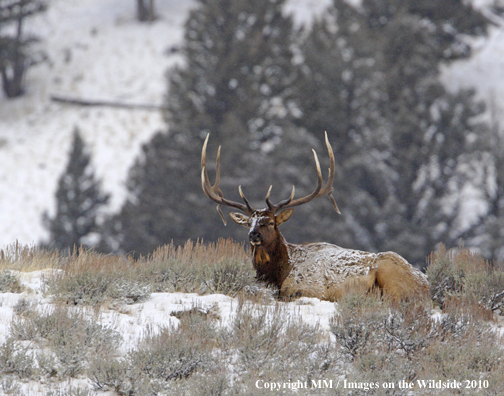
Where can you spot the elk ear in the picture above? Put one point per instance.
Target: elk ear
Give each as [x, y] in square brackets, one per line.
[239, 218]
[282, 217]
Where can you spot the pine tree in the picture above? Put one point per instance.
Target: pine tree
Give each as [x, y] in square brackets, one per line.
[235, 84]
[79, 200]
[486, 232]
[401, 138]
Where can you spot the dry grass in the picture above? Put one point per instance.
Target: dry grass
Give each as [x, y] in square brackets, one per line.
[28, 258]
[387, 342]
[376, 340]
[91, 278]
[461, 281]
[222, 267]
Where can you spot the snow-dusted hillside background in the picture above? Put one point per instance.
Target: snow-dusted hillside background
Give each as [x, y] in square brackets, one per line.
[98, 50]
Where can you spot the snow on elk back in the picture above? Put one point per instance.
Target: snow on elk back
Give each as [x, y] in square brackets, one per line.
[320, 270]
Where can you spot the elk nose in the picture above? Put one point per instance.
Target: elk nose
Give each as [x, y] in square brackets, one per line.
[254, 236]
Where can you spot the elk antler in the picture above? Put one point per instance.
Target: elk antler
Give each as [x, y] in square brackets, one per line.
[319, 190]
[214, 192]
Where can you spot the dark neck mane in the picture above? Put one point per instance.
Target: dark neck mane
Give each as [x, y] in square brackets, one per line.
[272, 261]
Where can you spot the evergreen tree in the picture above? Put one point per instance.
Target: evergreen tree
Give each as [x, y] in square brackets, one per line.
[401, 138]
[79, 200]
[486, 233]
[236, 84]
[15, 57]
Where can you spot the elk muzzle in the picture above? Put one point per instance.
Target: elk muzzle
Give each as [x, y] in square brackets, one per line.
[255, 237]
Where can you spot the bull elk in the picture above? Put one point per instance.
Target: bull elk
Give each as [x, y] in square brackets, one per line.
[320, 269]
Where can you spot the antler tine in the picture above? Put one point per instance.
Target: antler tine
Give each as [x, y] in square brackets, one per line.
[288, 203]
[245, 199]
[214, 192]
[273, 207]
[327, 189]
[284, 203]
[270, 205]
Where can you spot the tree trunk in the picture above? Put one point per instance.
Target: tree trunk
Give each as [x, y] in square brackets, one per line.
[12, 80]
[145, 10]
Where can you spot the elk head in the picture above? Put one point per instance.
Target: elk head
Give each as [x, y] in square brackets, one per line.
[263, 223]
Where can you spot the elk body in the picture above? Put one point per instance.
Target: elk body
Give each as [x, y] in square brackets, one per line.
[320, 270]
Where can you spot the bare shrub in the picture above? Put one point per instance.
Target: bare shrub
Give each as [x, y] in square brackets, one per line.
[90, 278]
[108, 373]
[359, 317]
[462, 280]
[72, 338]
[15, 359]
[390, 341]
[256, 334]
[269, 342]
[71, 391]
[468, 351]
[228, 277]
[407, 328]
[9, 282]
[23, 307]
[171, 354]
[10, 387]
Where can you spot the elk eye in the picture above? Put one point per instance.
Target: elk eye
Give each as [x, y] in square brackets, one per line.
[271, 224]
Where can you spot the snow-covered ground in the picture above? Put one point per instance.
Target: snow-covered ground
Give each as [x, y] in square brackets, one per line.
[158, 310]
[133, 322]
[97, 50]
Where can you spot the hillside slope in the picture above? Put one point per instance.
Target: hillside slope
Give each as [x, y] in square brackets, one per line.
[97, 50]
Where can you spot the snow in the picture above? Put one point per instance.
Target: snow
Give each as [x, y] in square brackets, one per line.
[303, 11]
[97, 50]
[484, 71]
[135, 321]
[132, 320]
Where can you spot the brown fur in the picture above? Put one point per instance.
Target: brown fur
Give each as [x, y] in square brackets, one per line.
[323, 270]
[317, 270]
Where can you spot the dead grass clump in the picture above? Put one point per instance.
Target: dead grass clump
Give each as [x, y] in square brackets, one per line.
[91, 278]
[28, 258]
[462, 281]
[221, 267]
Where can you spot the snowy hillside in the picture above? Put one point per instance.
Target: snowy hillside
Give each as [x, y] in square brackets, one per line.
[194, 322]
[134, 322]
[98, 51]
